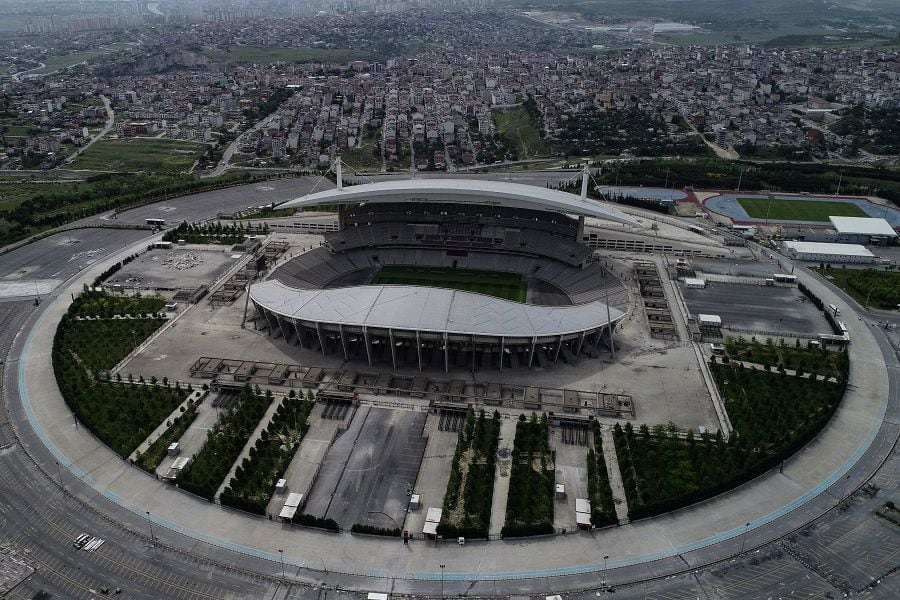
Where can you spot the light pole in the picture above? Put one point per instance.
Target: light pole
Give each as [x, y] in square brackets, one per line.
[603, 579]
[442, 581]
[281, 554]
[59, 475]
[744, 537]
[150, 523]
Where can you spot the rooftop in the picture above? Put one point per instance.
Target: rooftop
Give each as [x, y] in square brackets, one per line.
[862, 226]
[828, 248]
[429, 309]
[466, 191]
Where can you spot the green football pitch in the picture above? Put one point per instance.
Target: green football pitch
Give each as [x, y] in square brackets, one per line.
[508, 286]
[799, 210]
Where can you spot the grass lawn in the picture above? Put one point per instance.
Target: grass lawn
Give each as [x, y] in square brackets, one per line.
[508, 286]
[152, 155]
[266, 55]
[515, 125]
[15, 130]
[799, 210]
[881, 288]
[55, 63]
[363, 157]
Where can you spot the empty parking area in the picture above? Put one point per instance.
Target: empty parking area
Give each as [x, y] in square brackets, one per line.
[442, 429]
[854, 552]
[370, 470]
[173, 269]
[770, 573]
[757, 307]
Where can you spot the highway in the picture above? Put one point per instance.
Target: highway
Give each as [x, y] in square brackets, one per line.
[47, 518]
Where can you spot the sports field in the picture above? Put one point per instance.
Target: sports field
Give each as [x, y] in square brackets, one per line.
[799, 210]
[508, 286]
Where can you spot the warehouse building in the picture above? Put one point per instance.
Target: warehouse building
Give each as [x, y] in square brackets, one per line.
[829, 252]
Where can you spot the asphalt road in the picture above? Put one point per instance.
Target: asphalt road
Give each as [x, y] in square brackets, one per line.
[206, 205]
[46, 519]
[65, 254]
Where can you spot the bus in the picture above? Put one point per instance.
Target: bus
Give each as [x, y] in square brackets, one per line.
[156, 222]
[784, 278]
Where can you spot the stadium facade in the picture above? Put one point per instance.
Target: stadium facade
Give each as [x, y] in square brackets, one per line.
[324, 300]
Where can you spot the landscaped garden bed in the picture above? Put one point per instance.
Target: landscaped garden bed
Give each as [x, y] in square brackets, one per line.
[529, 506]
[603, 508]
[224, 443]
[254, 480]
[773, 416]
[120, 414]
[151, 458]
[470, 490]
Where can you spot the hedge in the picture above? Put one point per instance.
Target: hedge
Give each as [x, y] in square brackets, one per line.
[372, 530]
[306, 520]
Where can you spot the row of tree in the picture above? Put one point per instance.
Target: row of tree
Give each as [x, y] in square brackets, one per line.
[224, 443]
[818, 178]
[214, 233]
[529, 506]
[603, 508]
[254, 480]
[470, 489]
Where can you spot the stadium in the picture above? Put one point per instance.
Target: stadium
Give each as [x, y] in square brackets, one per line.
[442, 273]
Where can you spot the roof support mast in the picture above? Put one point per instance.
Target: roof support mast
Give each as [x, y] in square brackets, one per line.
[337, 172]
[585, 176]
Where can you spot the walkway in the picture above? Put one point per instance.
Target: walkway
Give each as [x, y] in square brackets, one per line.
[501, 478]
[615, 475]
[245, 453]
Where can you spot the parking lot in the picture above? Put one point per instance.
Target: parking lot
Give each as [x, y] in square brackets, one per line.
[435, 471]
[371, 469]
[757, 307]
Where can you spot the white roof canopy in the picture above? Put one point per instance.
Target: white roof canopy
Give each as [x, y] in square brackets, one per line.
[862, 226]
[429, 309]
[466, 191]
[827, 249]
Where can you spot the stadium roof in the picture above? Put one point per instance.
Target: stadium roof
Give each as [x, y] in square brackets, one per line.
[429, 309]
[466, 191]
[825, 248]
[863, 226]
